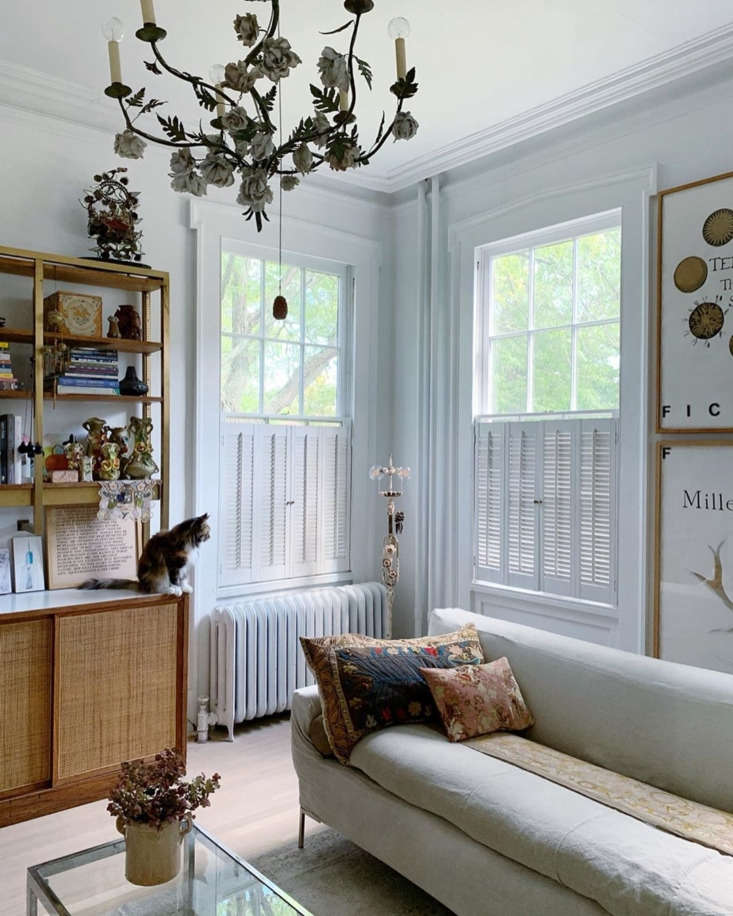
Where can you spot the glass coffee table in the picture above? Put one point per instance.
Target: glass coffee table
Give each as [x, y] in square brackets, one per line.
[212, 882]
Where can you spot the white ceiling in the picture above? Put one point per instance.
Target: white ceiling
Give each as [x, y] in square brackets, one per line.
[479, 62]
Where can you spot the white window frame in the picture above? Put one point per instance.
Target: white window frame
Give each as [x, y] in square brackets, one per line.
[537, 582]
[291, 571]
[483, 338]
[345, 328]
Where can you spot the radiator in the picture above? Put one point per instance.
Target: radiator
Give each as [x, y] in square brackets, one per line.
[256, 658]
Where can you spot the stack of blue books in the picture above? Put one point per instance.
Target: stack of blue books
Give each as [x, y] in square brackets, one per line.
[90, 371]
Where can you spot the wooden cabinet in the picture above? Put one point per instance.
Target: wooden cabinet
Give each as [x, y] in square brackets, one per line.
[84, 686]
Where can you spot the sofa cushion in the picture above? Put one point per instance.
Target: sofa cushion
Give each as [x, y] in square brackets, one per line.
[477, 699]
[625, 865]
[662, 723]
[318, 651]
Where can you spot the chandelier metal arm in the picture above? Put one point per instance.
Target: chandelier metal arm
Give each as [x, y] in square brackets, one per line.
[188, 77]
[153, 139]
[352, 78]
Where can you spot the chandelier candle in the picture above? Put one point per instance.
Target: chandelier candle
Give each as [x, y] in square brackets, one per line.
[399, 29]
[235, 140]
[148, 12]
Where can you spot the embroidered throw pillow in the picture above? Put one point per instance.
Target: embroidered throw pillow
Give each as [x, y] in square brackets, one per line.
[478, 699]
[369, 669]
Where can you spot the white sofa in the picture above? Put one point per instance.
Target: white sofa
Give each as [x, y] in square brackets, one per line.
[485, 837]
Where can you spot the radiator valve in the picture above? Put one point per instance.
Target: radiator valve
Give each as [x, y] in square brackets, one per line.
[203, 720]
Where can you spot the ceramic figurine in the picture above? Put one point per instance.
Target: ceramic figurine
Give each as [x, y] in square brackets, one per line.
[128, 319]
[114, 327]
[140, 463]
[118, 435]
[74, 451]
[109, 466]
[97, 429]
[132, 385]
[87, 466]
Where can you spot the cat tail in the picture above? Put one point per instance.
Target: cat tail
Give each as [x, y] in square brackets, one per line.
[111, 583]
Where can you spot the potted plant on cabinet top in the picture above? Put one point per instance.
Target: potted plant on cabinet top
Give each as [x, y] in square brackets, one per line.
[154, 810]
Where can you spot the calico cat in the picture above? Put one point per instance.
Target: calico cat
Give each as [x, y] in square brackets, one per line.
[164, 561]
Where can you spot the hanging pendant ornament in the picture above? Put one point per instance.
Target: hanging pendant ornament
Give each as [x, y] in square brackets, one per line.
[280, 308]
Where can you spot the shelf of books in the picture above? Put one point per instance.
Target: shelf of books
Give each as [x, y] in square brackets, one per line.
[70, 362]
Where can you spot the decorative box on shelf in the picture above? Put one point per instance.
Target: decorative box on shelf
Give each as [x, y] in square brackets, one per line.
[74, 314]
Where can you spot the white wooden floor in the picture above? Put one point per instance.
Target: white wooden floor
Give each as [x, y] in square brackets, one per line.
[255, 810]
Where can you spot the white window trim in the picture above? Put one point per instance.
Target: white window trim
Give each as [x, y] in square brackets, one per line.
[213, 221]
[484, 256]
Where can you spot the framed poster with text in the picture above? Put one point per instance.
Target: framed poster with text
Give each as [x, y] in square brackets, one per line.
[693, 612]
[695, 307]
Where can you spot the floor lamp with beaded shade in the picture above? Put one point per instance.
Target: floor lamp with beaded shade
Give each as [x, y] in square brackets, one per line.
[393, 476]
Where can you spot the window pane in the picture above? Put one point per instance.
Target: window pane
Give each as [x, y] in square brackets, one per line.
[553, 285]
[240, 294]
[320, 373]
[321, 308]
[509, 375]
[599, 275]
[282, 379]
[598, 367]
[552, 371]
[240, 375]
[510, 299]
[290, 328]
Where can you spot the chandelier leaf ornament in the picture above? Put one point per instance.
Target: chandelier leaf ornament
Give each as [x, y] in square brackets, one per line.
[243, 144]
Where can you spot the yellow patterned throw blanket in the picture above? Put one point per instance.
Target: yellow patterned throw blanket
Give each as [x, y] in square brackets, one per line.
[676, 815]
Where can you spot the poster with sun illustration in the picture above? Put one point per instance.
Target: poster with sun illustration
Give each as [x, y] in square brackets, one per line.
[693, 620]
[695, 307]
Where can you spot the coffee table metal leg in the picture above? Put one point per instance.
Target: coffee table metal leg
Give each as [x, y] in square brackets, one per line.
[31, 899]
[301, 829]
[190, 866]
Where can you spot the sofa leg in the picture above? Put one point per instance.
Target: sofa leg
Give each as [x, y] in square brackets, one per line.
[301, 829]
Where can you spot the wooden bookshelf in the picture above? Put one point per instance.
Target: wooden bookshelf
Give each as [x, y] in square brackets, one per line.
[44, 268]
[15, 335]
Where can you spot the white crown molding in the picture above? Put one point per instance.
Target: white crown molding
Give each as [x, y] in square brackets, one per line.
[678, 62]
[33, 91]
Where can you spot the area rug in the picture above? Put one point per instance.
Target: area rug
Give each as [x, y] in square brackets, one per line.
[333, 877]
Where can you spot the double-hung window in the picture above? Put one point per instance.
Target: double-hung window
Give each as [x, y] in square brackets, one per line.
[285, 460]
[546, 399]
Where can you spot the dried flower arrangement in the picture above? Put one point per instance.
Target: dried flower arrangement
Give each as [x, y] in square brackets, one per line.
[156, 794]
[113, 217]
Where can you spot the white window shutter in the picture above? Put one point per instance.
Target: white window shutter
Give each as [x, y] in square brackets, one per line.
[271, 510]
[489, 495]
[559, 485]
[597, 510]
[236, 504]
[522, 530]
[305, 497]
[335, 502]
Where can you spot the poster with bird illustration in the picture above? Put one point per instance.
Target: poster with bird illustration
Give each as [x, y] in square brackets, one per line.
[694, 554]
[695, 307]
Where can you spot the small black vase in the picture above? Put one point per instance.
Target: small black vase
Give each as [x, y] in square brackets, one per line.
[131, 385]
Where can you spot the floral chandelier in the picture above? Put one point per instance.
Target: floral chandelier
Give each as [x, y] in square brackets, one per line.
[247, 143]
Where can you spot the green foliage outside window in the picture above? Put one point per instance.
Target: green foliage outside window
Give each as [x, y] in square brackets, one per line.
[255, 347]
[553, 310]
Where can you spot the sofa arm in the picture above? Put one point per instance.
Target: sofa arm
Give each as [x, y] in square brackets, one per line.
[305, 708]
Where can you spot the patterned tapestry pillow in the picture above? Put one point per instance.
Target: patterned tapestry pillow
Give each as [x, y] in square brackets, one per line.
[459, 648]
[477, 699]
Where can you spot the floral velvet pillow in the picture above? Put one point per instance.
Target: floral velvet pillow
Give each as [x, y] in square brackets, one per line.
[374, 683]
[477, 699]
